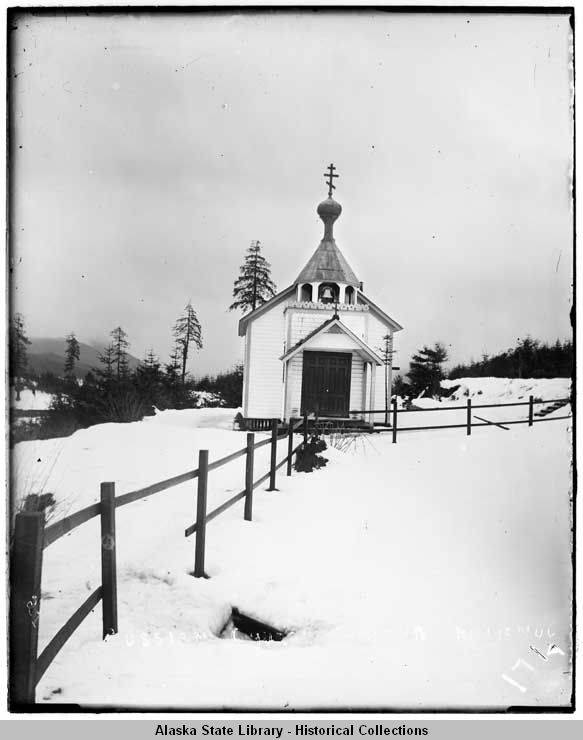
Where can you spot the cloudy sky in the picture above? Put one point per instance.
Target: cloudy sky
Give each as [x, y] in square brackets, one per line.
[150, 150]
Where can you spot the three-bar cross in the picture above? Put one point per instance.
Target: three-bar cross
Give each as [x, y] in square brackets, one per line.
[330, 179]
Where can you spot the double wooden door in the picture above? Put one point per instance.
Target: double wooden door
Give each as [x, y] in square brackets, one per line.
[326, 383]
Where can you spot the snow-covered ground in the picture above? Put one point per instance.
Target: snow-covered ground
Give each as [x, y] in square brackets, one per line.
[133, 455]
[38, 401]
[426, 573]
[505, 390]
[487, 391]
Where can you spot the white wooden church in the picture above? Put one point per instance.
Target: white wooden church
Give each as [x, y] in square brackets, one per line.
[316, 346]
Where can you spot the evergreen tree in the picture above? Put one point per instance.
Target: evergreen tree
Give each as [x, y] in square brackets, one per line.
[400, 387]
[425, 369]
[172, 368]
[107, 359]
[530, 358]
[71, 355]
[120, 346]
[18, 357]
[254, 285]
[174, 391]
[187, 333]
[149, 380]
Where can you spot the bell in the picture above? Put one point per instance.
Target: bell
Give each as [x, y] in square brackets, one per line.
[327, 294]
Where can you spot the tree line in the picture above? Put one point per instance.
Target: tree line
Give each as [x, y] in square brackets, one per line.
[530, 358]
[112, 391]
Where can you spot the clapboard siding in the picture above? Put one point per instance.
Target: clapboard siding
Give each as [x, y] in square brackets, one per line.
[302, 322]
[332, 341]
[376, 331]
[274, 332]
[294, 385]
[265, 369]
[356, 380]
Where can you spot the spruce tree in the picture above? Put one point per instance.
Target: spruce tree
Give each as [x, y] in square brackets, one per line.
[71, 355]
[18, 357]
[188, 334]
[107, 359]
[120, 346]
[254, 285]
[172, 368]
[148, 379]
[425, 369]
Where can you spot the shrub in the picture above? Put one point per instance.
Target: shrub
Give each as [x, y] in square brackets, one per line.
[206, 400]
[228, 385]
[307, 457]
[123, 406]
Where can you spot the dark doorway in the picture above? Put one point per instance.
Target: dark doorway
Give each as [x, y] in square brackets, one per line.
[326, 383]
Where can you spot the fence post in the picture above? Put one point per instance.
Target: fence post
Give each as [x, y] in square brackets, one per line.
[469, 417]
[290, 447]
[26, 569]
[203, 464]
[249, 477]
[305, 429]
[530, 410]
[108, 560]
[31, 502]
[394, 420]
[273, 455]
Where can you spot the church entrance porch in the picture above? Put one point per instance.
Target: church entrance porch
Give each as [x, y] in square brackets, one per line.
[326, 383]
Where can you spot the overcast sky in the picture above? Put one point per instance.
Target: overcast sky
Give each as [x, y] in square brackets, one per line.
[150, 150]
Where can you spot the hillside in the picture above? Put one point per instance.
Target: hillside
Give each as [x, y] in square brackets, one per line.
[48, 355]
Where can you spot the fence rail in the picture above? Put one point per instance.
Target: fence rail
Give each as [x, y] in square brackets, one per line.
[461, 408]
[469, 408]
[53, 648]
[31, 538]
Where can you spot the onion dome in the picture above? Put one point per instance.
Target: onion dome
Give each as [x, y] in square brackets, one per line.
[328, 263]
[329, 210]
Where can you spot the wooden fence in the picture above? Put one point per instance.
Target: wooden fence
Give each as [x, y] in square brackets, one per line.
[468, 408]
[31, 537]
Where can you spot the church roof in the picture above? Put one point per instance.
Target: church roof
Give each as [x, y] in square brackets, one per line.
[327, 263]
[329, 325]
[289, 292]
[244, 320]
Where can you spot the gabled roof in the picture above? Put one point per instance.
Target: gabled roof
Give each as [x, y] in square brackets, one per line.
[244, 320]
[326, 326]
[290, 290]
[327, 263]
[392, 323]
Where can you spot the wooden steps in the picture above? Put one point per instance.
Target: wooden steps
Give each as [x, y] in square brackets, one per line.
[552, 407]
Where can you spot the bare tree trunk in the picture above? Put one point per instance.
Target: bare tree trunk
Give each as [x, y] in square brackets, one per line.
[184, 358]
[254, 282]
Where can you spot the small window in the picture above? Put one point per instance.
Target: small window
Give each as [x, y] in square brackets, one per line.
[306, 292]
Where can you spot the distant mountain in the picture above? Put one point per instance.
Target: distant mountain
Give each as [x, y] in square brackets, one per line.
[48, 355]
